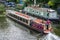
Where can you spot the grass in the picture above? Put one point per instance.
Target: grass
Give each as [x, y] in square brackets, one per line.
[2, 14]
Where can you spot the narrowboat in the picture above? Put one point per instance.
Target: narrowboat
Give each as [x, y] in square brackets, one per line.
[44, 13]
[31, 22]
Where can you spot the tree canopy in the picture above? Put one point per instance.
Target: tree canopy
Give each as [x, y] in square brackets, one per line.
[16, 1]
[56, 1]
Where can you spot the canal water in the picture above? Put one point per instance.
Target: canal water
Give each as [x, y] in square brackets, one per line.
[10, 30]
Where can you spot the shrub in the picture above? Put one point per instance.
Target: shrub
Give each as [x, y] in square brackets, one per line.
[2, 8]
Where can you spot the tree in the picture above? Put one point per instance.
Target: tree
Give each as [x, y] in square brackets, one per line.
[27, 2]
[16, 1]
[54, 3]
[51, 3]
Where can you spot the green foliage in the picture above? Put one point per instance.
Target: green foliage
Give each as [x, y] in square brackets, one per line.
[42, 1]
[18, 7]
[57, 32]
[2, 8]
[28, 1]
[16, 1]
[51, 3]
[56, 1]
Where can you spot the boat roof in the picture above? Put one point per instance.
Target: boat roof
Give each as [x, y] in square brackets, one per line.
[18, 14]
[39, 21]
[23, 15]
[41, 9]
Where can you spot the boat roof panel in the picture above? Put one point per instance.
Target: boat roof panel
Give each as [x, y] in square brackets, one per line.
[23, 15]
[39, 21]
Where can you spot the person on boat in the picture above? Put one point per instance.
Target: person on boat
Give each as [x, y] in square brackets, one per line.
[48, 22]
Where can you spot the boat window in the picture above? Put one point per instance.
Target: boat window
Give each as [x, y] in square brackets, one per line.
[20, 18]
[15, 16]
[26, 21]
[10, 14]
[33, 10]
[48, 14]
[37, 12]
